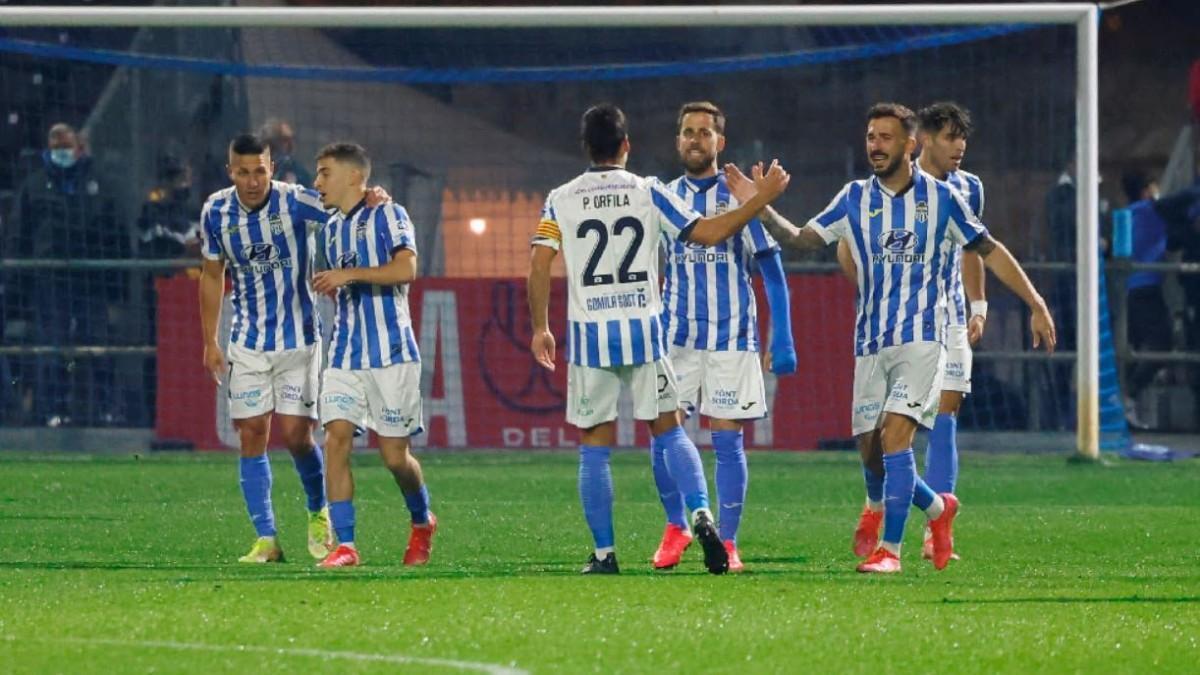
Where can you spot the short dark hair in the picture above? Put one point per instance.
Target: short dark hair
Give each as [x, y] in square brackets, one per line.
[247, 144]
[1135, 183]
[602, 131]
[907, 118]
[943, 114]
[702, 107]
[350, 153]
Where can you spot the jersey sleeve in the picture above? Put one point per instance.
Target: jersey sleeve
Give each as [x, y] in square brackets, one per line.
[211, 246]
[394, 228]
[964, 226]
[833, 223]
[674, 217]
[979, 206]
[547, 233]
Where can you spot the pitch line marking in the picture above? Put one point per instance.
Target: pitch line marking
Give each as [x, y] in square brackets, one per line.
[400, 659]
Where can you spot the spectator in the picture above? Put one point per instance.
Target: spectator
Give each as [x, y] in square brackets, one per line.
[279, 135]
[169, 225]
[1149, 320]
[62, 213]
[1181, 211]
[1060, 222]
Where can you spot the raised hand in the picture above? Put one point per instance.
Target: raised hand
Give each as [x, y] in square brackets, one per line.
[773, 182]
[741, 187]
[377, 196]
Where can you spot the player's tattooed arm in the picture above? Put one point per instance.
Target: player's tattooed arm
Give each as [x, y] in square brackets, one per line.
[801, 238]
[781, 228]
[1001, 262]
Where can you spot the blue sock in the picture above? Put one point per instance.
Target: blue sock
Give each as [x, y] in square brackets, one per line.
[683, 463]
[941, 460]
[899, 478]
[668, 493]
[341, 515]
[732, 478]
[923, 495]
[311, 467]
[418, 505]
[256, 489]
[874, 482]
[596, 493]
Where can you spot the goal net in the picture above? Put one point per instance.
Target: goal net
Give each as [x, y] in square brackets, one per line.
[468, 127]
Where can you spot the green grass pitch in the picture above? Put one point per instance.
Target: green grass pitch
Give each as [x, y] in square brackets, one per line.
[120, 564]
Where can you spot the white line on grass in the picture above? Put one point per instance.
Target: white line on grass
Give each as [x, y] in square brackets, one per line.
[476, 666]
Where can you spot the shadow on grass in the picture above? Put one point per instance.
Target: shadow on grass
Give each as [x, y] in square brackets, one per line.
[110, 565]
[1068, 601]
[77, 517]
[306, 572]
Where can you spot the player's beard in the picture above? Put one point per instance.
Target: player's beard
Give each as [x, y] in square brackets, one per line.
[697, 163]
[890, 169]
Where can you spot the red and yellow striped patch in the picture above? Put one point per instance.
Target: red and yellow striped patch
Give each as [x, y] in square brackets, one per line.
[549, 230]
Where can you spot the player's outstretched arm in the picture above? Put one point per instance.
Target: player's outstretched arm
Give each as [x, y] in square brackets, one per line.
[768, 185]
[787, 234]
[212, 291]
[401, 269]
[542, 343]
[974, 284]
[1006, 268]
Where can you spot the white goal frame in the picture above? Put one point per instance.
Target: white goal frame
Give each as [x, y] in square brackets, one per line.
[1085, 18]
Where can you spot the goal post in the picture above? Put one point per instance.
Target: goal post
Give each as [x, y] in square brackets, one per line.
[1083, 17]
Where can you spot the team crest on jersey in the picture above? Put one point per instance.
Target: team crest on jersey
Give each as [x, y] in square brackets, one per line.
[722, 207]
[922, 212]
[360, 229]
[348, 259]
[276, 223]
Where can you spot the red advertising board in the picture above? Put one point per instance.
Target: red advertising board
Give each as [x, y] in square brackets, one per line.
[482, 388]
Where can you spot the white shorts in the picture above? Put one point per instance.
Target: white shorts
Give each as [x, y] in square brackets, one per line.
[592, 392]
[727, 385]
[261, 382]
[386, 400]
[905, 380]
[958, 360]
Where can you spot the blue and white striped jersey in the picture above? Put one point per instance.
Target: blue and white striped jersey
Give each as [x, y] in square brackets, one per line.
[608, 223]
[371, 324]
[708, 302]
[269, 257]
[900, 247]
[972, 190]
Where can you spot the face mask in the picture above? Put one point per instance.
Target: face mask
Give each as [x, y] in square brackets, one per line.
[62, 157]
